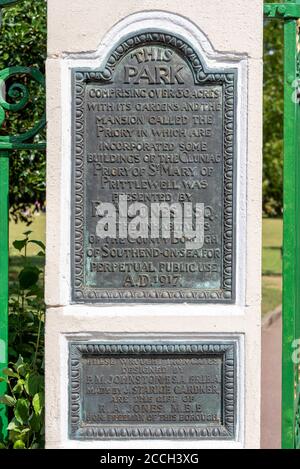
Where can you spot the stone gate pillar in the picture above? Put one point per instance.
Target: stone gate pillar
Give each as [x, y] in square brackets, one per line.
[153, 224]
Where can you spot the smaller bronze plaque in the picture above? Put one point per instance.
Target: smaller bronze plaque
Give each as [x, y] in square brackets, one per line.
[152, 390]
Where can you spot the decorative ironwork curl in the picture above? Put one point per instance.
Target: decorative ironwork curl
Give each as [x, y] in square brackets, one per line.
[6, 3]
[20, 93]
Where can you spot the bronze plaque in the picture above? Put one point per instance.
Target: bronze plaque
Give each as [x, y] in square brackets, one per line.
[153, 139]
[167, 390]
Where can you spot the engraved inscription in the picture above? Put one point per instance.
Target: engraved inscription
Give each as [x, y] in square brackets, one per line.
[152, 390]
[153, 137]
[147, 390]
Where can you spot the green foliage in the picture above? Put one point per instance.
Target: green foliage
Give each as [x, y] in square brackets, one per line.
[273, 118]
[25, 400]
[23, 43]
[25, 373]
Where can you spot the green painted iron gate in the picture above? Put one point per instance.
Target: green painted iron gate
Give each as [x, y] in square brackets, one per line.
[289, 13]
[19, 97]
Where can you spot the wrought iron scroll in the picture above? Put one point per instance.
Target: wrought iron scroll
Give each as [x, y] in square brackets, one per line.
[19, 93]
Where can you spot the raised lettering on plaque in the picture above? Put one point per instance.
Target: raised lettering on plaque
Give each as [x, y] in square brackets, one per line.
[153, 176]
[152, 391]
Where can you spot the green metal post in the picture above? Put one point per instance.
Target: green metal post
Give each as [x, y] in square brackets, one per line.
[291, 278]
[4, 192]
[289, 12]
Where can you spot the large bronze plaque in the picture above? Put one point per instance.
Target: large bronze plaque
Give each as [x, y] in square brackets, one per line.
[155, 127]
[152, 390]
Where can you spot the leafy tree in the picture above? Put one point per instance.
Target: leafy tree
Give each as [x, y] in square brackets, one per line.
[23, 43]
[273, 118]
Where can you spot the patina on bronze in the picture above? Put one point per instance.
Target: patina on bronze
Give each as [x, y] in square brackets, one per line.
[156, 126]
[147, 390]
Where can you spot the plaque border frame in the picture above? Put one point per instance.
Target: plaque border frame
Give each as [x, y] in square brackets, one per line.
[227, 431]
[83, 294]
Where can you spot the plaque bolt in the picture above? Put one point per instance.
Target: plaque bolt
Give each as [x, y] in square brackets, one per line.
[290, 79]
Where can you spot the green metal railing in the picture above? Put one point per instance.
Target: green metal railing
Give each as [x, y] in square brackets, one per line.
[18, 93]
[289, 12]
